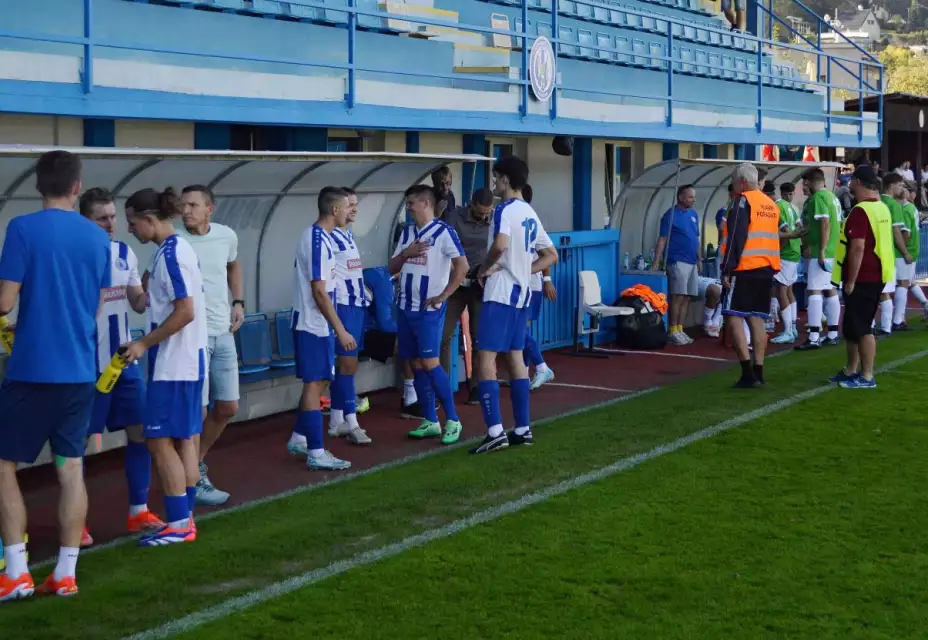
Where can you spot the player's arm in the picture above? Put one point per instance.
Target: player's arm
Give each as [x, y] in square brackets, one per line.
[12, 267]
[404, 251]
[234, 280]
[547, 255]
[135, 291]
[182, 315]
[327, 309]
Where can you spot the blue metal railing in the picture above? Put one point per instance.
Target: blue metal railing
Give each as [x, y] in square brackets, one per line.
[752, 50]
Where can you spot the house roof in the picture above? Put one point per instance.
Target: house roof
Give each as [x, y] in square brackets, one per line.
[853, 20]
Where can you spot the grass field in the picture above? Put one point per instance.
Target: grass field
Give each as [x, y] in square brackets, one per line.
[804, 522]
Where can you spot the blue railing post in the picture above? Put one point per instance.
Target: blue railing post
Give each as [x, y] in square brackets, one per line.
[827, 98]
[523, 90]
[669, 75]
[352, 29]
[818, 55]
[760, 86]
[556, 35]
[860, 96]
[87, 80]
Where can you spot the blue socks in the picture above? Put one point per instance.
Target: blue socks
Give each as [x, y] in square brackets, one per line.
[531, 354]
[441, 383]
[311, 423]
[176, 508]
[343, 389]
[489, 403]
[426, 395]
[191, 499]
[335, 393]
[138, 472]
[519, 390]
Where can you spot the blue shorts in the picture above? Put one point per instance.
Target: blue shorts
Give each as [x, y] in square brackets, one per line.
[353, 320]
[419, 333]
[502, 328]
[174, 409]
[35, 413]
[122, 407]
[314, 355]
[534, 307]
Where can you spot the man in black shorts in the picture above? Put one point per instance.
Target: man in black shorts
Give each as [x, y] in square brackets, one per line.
[751, 260]
[866, 262]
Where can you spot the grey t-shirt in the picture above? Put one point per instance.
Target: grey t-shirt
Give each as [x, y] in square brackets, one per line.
[472, 233]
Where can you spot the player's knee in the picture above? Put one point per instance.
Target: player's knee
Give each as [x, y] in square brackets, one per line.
[69, 470]
[347, 366]
[225, 410]
[430, 363]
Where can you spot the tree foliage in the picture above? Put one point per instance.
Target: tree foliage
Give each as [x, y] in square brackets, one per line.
[905, 71]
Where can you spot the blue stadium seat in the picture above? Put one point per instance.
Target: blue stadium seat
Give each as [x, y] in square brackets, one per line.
[741, 67]
[641, 53]
[604, 42]
[567, 37]
[332, 15]
[617, 17]
[270, 7]
[715, 64]
[254, 338]
[687, 58]
[624, 49]
[584, 11]
[285, 349]
[728, 67]
[702, 62]
[587, 45]
[656, 49]
[648, 23]
[235, 5]
[601, 15]
[631, 19]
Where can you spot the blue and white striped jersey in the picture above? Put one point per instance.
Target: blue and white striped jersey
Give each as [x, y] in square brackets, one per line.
[511, 283]
[315, 261]
[349, 272]
[426, 276]
[113, 319]
[175, 275]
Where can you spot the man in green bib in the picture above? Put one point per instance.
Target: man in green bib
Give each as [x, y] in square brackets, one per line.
[893, 186]
[905, 258]
[821, 223]
[864, 262]
[790, 232]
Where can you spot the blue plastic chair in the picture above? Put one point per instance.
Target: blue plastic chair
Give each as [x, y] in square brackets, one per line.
[254, 339]
[286, 352]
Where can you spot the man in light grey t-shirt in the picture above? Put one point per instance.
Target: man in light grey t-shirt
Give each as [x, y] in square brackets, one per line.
[216, 246]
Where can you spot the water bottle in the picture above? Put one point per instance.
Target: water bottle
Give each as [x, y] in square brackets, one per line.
[651, 257]
[625, 261]
[112, 372]
[6, 336]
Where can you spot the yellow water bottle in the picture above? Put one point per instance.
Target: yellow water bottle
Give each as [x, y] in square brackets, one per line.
[112, 372]
[6, 336]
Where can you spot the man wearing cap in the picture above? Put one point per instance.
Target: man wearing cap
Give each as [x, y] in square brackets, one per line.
[864, 260]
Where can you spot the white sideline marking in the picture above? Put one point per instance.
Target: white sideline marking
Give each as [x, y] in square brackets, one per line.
[664, 353]
[338, 479]
[284, 587]
[585, 386]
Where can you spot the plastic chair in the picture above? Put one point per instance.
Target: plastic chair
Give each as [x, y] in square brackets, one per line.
[286, 352]
[590, 303]
[254, 339]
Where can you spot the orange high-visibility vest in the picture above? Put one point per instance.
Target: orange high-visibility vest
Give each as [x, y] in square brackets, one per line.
[762, 247]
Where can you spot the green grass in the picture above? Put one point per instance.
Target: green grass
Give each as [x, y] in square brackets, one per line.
[809, 523]
[126, 589]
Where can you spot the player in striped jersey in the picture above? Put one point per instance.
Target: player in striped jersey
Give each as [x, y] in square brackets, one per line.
[121, 409]
[431, 265]
[515, 232]
[350, 303]
[314, 320]
[177, 341]
[542, 288]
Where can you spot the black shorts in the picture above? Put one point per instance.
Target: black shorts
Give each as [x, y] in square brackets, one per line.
[748, 295]
[859, 309]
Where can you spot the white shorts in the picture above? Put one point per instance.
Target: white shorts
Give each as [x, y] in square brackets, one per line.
[890, 286]
[817, 279]
[789, 271]
[905, 271]
[705, 283]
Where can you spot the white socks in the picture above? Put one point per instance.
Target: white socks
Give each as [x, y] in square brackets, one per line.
[717, 316]
[900, 298]
[886, 315]
[409, 393]
[833, 313]
[297, 439]
[707, 314]
[67, 562]
[15, 556]
[352, 420]
[814, 311]
[794, 315]
[541, 369]
[918, 294]
[336, 417]
[787, 316]
[136, 509]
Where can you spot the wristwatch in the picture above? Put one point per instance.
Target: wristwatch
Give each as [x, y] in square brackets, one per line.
[241, 302]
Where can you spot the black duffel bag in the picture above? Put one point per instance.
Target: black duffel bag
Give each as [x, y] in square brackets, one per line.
[644, 329]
